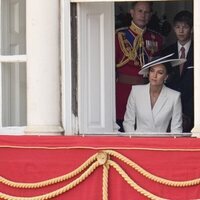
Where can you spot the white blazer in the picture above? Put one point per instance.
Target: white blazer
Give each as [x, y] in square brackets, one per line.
[138, 111]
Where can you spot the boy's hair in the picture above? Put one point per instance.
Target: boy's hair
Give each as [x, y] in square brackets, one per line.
[184, 16]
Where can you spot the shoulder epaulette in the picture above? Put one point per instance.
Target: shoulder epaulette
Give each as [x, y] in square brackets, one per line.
[121, 29]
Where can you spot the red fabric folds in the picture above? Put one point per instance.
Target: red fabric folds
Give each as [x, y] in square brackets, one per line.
[36, 158]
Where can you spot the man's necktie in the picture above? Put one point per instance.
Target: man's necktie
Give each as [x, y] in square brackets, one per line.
[182, 56]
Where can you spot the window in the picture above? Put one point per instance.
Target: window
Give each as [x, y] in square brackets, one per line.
[13, 63]
[161, 22]
[92, 108]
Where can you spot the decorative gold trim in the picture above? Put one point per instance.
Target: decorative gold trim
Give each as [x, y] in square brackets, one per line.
[103, 158]
[131, 51]
[103, 148]
[137, 29]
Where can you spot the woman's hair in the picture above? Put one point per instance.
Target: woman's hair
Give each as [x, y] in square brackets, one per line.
[168, 67]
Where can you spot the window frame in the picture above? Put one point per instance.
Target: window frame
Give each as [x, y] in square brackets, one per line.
[17, 58]
[70, 121]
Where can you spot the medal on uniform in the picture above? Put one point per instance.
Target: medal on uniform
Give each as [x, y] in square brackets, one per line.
[152, 46]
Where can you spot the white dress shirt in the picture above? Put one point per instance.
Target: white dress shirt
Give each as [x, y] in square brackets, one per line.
[186, 46]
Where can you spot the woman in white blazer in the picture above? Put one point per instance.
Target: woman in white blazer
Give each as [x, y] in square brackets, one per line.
[152, 107]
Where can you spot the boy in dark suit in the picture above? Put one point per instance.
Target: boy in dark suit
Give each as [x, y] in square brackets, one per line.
[181, 78]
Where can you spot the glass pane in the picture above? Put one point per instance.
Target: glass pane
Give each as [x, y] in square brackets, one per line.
[13, 75]
[13, 30]
[14, 94]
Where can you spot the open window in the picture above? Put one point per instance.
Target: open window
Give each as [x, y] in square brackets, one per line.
[96, 22]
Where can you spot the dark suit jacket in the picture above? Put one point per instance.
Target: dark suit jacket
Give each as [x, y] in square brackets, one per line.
[183, 83]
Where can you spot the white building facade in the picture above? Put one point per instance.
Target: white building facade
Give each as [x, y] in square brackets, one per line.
[58, 78]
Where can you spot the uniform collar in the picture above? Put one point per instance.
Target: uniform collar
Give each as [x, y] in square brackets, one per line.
[136, 29]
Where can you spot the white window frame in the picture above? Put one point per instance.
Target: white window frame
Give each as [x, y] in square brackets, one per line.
[10, 59]
[22, 58]
[70, 122]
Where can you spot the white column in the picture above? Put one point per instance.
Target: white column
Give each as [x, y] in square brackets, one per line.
[43, 67]
[196, 129]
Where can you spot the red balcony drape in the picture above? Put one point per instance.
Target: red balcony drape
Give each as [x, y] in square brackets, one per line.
[31, 159]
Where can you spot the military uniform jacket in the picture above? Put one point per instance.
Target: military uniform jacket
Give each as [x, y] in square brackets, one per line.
[134, 47]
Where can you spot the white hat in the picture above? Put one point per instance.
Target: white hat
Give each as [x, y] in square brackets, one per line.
[160, 60]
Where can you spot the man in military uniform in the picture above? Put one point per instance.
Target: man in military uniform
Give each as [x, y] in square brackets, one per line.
[135, 46]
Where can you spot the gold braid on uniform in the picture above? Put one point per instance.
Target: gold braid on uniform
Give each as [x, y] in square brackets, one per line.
[131, 52]
[128, 51]
[138, 45]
